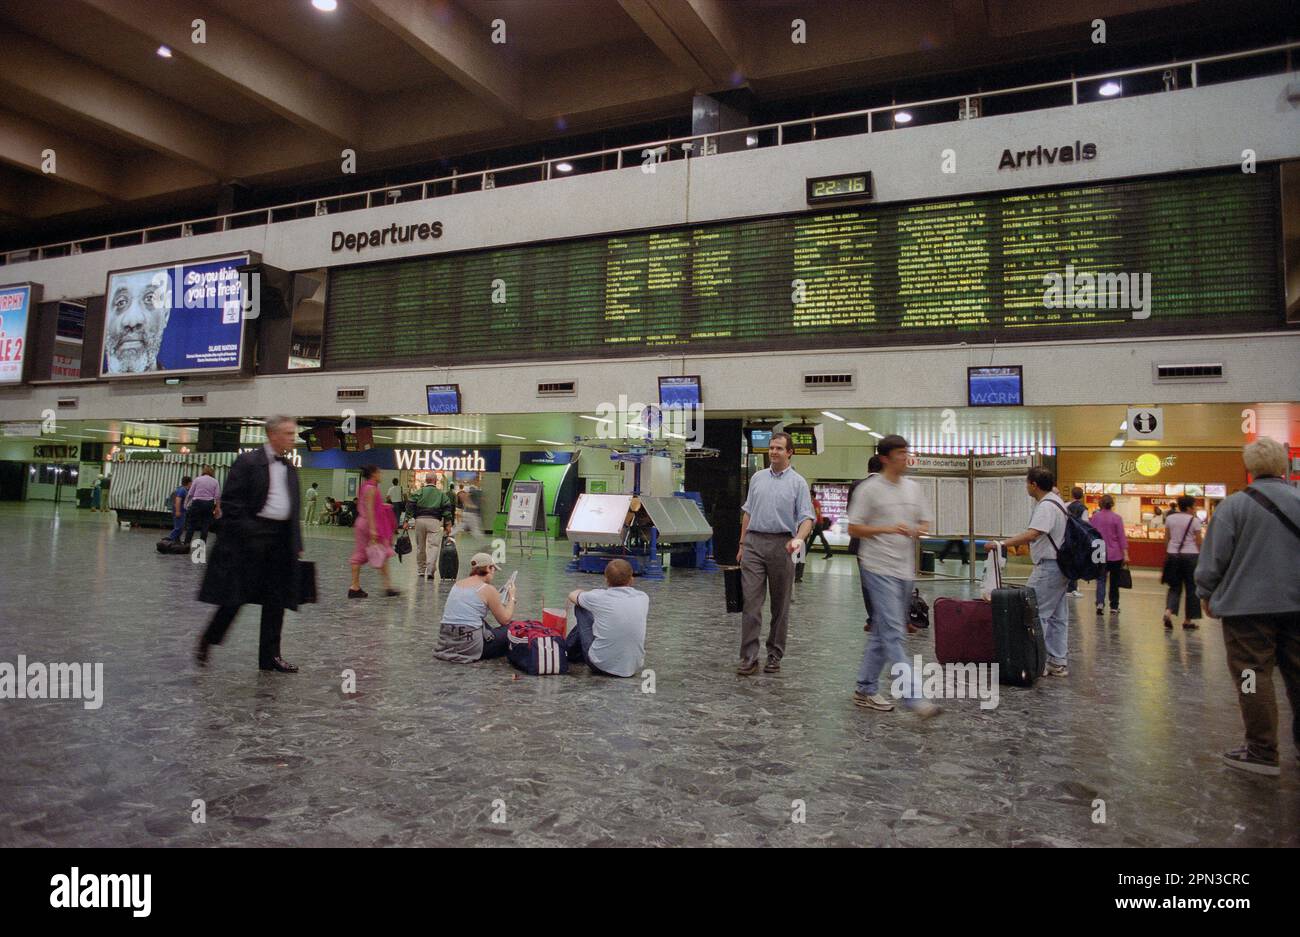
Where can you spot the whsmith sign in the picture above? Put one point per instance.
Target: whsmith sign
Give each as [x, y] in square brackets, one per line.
[442, 460]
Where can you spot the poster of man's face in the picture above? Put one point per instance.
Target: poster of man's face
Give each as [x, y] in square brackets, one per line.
[139, 305]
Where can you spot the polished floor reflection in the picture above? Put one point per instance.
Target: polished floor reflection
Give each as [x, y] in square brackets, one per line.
[428, 753]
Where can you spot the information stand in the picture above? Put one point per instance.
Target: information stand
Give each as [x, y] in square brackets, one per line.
[526, 515]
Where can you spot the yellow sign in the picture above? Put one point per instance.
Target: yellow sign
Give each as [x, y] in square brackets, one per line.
[1148, 464]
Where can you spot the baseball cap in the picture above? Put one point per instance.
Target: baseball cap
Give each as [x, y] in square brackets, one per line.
[482, 561]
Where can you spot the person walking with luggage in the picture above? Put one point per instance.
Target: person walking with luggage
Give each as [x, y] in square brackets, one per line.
[887, 515]
[255, 559]
[465, 636]
[202, 504]
[428, 509]
[1079, 511]
[177, 502]
[1247, 575]
[313, 503]
[1111, 527]
[774, 523]
[372, 534]
[1182, 549]
[1045, 535]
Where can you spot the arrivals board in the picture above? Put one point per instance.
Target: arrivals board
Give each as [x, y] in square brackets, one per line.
[1191, 253]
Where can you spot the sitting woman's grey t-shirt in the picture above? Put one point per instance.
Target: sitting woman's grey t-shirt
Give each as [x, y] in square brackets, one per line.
[460, 639]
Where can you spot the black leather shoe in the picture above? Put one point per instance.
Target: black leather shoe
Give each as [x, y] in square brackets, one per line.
[201, 652]
[279, 665]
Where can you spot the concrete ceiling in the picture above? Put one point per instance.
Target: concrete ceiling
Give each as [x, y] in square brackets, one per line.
[278, 88]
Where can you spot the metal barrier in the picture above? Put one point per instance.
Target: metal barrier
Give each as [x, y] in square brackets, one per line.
[868, 120]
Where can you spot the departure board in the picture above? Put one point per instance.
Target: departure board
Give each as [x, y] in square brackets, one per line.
[1194, 253]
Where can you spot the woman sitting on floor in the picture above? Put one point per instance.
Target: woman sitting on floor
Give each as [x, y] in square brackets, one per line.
[465, 636]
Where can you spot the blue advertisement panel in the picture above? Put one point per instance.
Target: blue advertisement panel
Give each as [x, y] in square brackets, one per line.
[15, 311]
[182, 318]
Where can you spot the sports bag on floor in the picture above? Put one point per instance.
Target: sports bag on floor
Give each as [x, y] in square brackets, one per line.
[536, 649]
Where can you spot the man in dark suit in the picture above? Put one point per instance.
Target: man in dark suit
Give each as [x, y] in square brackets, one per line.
[256, 556]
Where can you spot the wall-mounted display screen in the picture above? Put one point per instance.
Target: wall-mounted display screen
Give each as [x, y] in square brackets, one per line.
[965, 269]
[182, 318]
[15, 313]
[681, 391]
[443, 398]
[995, 387]
[759, 439]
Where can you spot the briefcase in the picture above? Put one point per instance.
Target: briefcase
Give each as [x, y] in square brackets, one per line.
[306, 582]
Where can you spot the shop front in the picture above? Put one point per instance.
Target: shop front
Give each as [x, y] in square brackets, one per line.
[1145, 483]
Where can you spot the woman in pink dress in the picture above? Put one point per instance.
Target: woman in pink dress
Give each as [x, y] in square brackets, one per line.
[373, 532]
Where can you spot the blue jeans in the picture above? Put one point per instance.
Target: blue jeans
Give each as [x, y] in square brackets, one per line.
[889, 600]
[866, 593]
[178, 525]
[578, 641]
[1049, 585]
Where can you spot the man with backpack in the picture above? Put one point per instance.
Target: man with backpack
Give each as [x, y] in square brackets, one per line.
[1045, 536]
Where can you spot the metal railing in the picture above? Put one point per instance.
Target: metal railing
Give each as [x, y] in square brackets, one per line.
[867, 120]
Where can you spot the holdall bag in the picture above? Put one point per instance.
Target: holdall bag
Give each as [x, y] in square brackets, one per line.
[306, 576]
[448, 559]
[963, 631]
[1124, 577]
[536, 649]
[402, 546]
[918, 612]
[1017, 633]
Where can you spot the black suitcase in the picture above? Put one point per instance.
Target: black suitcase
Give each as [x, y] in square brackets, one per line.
[1017, 634]
[448, 559]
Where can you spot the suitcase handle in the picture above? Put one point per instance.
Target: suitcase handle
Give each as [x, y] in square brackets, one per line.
[997, 563]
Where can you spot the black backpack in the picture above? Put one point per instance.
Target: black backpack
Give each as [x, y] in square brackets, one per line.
[1079, 548]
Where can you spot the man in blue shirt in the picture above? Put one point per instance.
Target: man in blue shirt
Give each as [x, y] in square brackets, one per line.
[778, 516]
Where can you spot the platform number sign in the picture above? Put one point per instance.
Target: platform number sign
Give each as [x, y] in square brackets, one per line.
[1146, 423]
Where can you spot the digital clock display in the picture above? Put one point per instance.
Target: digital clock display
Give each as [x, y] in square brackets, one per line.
[836, 188]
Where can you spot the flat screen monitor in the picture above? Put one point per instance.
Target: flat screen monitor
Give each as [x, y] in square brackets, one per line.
[680, 391]
[759, 440]
[995, 386]
[443, 398]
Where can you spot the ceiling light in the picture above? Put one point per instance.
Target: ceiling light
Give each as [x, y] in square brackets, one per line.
[860, 427]
[164, 52]
[902, 117]
[877, 435]
[595, 419]
[1123, 426]
[1116, 443]
[508, 436]
[1109, 89]
[833, 416]
[552, 442]
[325, 6]
[564, 167]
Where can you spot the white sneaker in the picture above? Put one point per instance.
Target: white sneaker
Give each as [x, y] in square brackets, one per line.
[875, 701]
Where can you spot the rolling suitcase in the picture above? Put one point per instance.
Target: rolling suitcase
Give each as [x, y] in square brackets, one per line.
[1017, 634]
[963, 631]
[448, 559]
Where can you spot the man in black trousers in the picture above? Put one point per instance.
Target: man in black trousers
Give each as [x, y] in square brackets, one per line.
[256, 556]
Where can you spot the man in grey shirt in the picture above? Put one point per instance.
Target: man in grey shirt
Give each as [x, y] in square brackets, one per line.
[1249, 575]
[777, 517]
[609, 632]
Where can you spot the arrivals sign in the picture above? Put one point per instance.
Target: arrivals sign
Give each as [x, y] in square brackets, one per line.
[15, 313]
[186, 318]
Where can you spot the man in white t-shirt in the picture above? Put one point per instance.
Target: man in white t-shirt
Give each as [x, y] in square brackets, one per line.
[1045, 535]
[887, 514]
[609, 627]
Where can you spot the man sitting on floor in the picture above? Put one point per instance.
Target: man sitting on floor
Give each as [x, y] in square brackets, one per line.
[609, 629]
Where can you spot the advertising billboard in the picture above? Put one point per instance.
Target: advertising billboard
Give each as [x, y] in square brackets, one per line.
[15, 313]
[185, 318]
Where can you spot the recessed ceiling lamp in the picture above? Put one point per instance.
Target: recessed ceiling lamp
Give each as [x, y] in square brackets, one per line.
[325, 6]
[164, 52]
[508, 436]
[1109, 89]
[902, 117]
[833, 416]
[552, 442]
[564, 167]
[595, 419]
[877, 435]
[860, 427]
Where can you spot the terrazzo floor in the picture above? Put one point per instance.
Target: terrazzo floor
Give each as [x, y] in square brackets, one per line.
[429, 753]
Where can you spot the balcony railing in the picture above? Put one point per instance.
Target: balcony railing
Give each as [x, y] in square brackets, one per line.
[1066, 92]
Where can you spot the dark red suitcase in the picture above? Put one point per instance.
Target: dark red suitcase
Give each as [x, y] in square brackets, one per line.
[963, 631]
